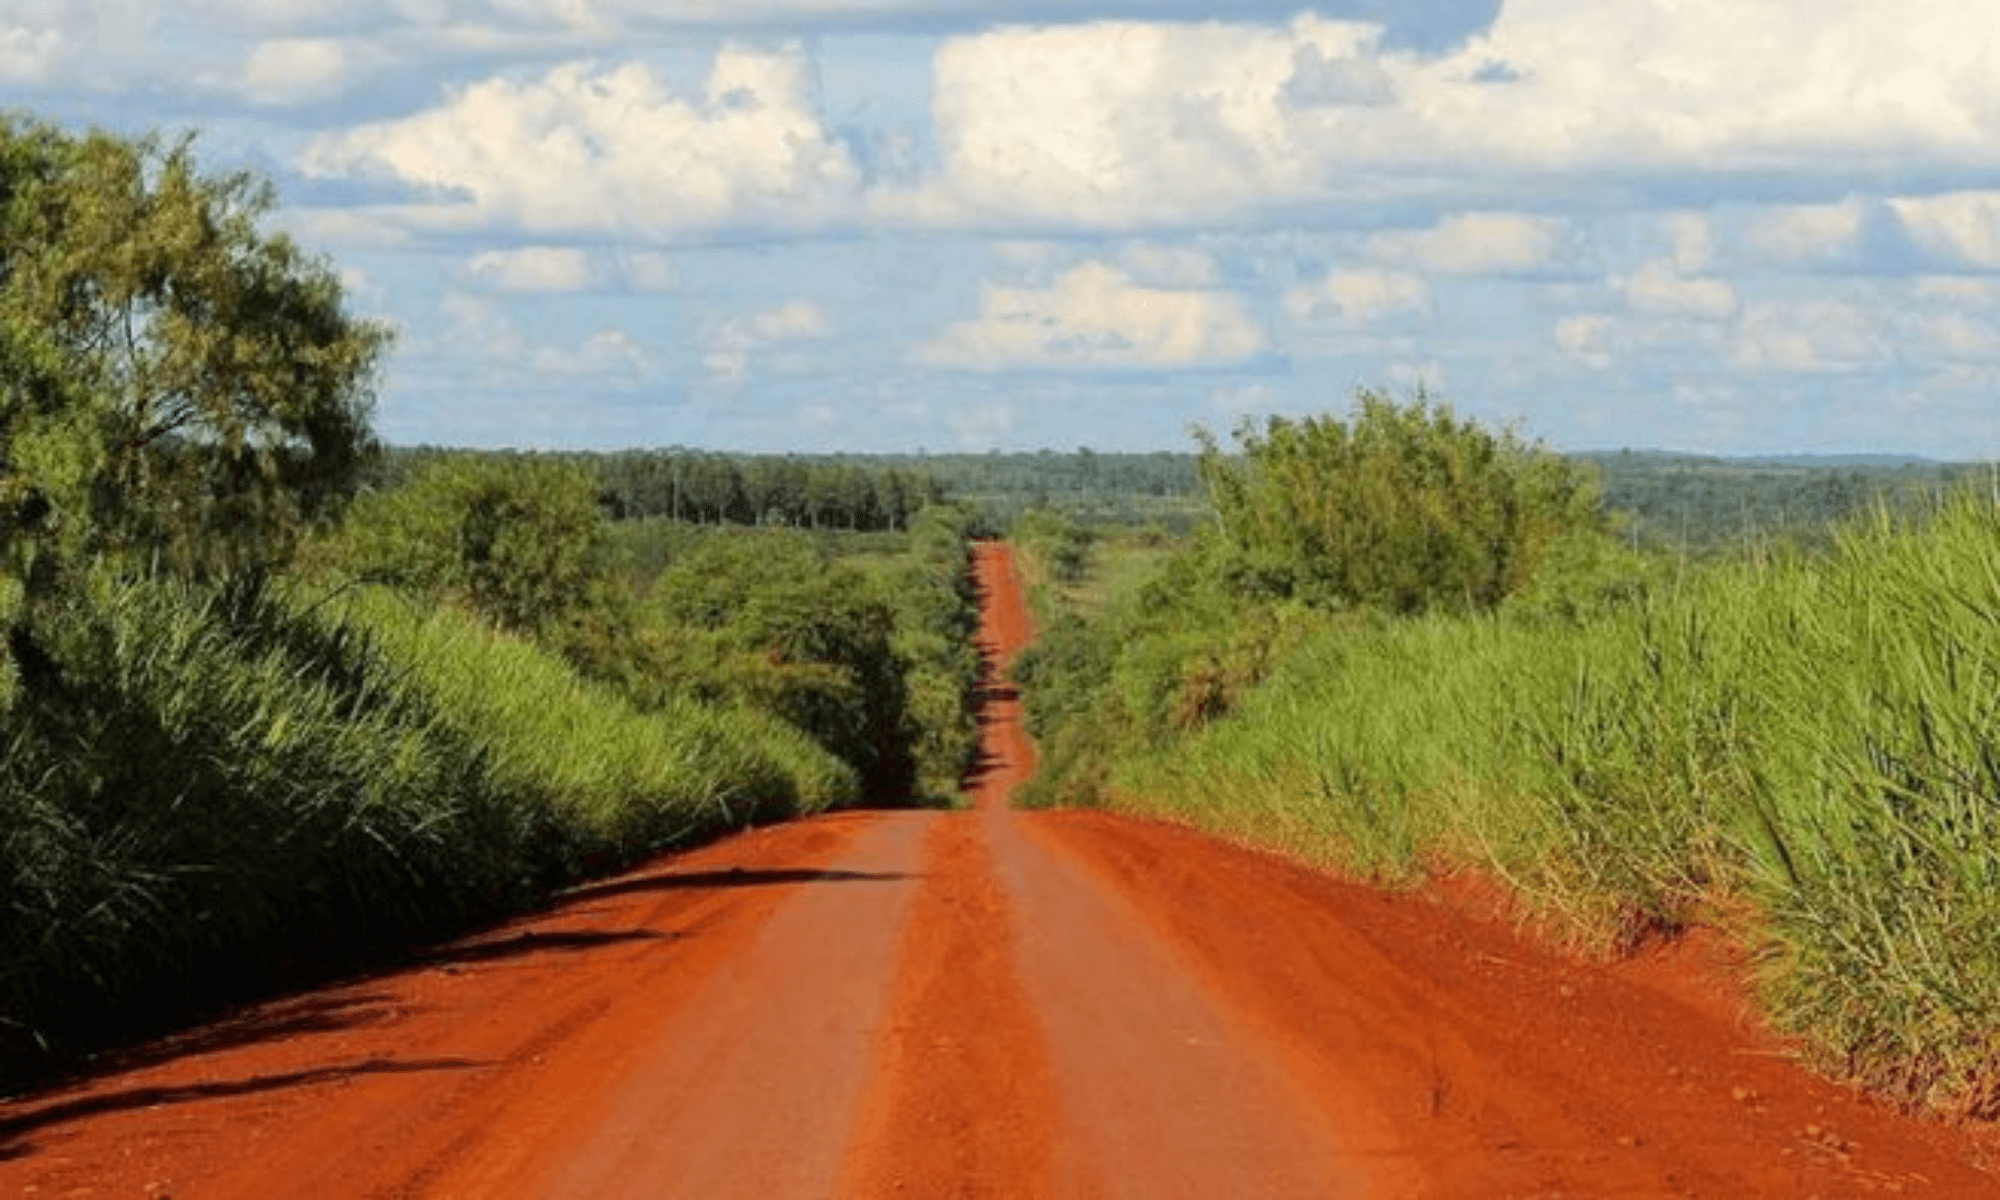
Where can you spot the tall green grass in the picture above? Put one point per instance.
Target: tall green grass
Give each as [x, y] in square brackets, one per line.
[202, 791]
[1815, 742]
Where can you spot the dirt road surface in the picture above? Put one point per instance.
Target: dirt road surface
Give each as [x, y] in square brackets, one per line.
[975, 1004]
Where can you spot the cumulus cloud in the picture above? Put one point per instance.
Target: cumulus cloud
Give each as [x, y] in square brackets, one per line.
[485, 331]
[1128, 124]
[1587, 338]
[590, 149]
[1158, 264]
[1659, 289]
[535, 269]
[1473, 243]
[1812, 337]
[1094, 316]
[1963, 226]
[1359, 295]
[730, 345]
[28, 55]
[1808, 234]
[294, 70]
[606, 353]
[1121, 123]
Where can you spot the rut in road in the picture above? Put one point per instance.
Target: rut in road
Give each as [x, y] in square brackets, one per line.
[988, 1003]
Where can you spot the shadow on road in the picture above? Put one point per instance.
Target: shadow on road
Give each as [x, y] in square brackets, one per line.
[15, 1130]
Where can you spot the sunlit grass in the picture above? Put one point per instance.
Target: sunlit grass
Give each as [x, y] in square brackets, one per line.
[1816, 742]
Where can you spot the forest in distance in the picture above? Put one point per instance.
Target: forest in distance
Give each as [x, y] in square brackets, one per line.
[1675, 502]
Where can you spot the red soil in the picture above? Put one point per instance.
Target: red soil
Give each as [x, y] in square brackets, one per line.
[983, 1004]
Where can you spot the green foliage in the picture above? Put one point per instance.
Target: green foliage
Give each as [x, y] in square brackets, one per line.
[765, 619]
[1403, 507]
[1709, 507]
[520, 537]
[211, 780]
[771, 619]
[710, 488]
[173, 380]
[1056, 546]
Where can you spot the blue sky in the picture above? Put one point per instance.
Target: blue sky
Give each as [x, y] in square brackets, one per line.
[898, 224]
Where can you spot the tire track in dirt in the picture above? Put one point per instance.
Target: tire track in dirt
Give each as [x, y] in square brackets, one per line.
[964, 1104]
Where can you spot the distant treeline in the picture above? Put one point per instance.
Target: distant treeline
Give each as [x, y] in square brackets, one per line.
[864, 492]
[1681, 503]
[1696, 505]
[714, 488]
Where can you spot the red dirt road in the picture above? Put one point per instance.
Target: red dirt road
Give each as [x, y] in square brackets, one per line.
[982, 1004]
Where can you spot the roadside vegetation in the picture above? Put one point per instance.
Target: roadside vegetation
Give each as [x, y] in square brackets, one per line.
[270, 712]
[1412, 645]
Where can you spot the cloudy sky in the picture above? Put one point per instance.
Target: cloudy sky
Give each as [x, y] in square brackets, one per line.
[1735, 226]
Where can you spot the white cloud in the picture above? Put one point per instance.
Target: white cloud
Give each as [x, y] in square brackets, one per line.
[731, 344]
[1474, 243]
[1094, 316]
[483, 331]
[1719, 82]
[1128, 124]
[1964, 226]
[1587, 338]
[1807, 234]
[585, 149]
[28, 55]
[1658, 289]
[608, 352]
[1121, 123]
[294, 70]
[1159, 264]
[1814, 336]
[978, 426]
[480, 329]
[535, 269]
[1955, 337]
[1363, 294]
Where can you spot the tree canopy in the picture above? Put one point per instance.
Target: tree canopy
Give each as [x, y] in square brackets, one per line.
[175, 380]
[1402, 506]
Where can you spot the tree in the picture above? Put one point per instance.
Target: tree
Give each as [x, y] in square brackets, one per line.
[519, 536]
[176, 383]
[1404, 506]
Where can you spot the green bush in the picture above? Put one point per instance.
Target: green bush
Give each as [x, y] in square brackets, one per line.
[1402, 507]
[519, 537]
